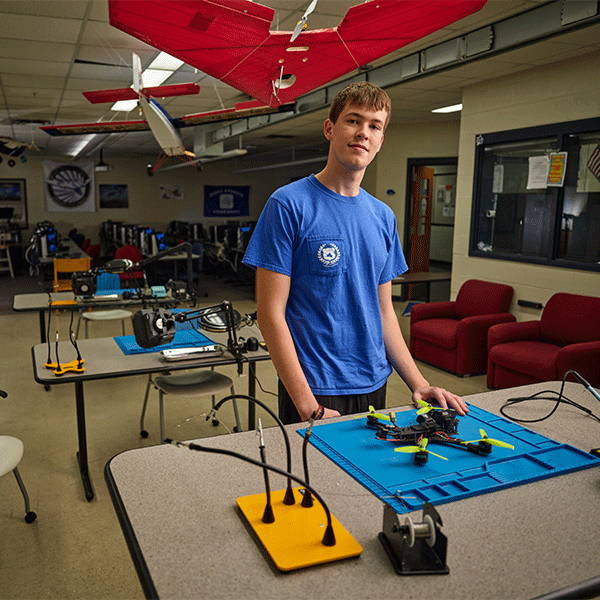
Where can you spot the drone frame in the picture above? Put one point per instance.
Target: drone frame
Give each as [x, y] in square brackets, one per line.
[437, 425]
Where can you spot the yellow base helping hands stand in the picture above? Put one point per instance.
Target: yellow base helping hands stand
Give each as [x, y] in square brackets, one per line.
[294, 539]
[75, 366]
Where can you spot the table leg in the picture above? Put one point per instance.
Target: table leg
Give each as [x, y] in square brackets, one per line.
[82, 457]
[42, 316]
[252, 394]
[428, 284]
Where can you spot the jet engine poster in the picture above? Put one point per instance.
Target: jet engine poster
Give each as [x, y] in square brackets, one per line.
[69, 187]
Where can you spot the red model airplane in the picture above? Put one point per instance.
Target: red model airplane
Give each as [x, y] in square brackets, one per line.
[231, 40]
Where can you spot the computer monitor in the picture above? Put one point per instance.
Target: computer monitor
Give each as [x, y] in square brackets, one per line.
[6, 213]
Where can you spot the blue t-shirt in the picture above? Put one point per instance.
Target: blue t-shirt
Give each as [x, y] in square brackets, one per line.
[337, 250]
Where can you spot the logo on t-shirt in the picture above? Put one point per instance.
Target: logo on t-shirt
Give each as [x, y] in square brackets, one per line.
[329, 254]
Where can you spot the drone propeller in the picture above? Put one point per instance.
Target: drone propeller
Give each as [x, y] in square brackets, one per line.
[377, 415]
[485, 438]
[425, 407]
[420, 448]
[301, 25]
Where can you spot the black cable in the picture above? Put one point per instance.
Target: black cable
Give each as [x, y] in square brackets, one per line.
[537, 396]
[48, 327]
[289, 496]
[262, 389]
[328, 538]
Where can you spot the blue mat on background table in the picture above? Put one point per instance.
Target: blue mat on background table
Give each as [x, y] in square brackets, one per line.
[394, 477]
[186, 336]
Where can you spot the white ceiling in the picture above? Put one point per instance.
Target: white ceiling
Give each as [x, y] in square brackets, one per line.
[52, 50]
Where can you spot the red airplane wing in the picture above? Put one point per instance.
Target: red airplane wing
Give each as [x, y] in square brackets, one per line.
[128, 93]
[101, 127]
[101, 96]
[230, 39]
[241, 110]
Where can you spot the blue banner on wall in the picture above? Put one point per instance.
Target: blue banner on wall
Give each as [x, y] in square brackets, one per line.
[226, 201]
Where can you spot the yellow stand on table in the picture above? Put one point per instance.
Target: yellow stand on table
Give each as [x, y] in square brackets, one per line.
[294, 539]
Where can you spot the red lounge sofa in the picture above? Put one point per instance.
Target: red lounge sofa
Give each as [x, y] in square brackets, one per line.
[453, 335]
[566, 337]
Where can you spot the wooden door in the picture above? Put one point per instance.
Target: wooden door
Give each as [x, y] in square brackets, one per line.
[420, 220]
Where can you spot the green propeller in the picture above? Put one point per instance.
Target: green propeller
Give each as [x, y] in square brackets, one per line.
[485, 438]
[425, 407]
[420, 448]
[377, 415]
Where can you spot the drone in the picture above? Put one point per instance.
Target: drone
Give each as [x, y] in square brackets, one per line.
[439, 425]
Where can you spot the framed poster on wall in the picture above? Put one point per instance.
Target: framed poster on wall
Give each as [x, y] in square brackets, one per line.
[13, 203]
[226, 201]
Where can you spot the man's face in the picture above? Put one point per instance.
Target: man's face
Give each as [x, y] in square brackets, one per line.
[356, 137]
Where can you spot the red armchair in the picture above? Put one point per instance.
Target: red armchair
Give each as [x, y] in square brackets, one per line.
[453, 335]
[566, 337]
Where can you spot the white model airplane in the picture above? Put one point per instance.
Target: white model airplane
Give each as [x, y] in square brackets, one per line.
[12, 147]
[156, 119]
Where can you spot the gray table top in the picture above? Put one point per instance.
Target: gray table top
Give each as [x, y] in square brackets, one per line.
[39, 301]
[423, 277]
[103, 358]
[515, 543]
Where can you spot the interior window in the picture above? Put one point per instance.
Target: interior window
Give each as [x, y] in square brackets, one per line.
[537, 197]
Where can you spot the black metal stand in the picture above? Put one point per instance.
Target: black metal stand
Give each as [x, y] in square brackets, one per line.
[414, 550]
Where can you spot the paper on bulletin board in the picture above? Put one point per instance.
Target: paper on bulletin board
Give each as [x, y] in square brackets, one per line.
[539, 167]
[558, 168]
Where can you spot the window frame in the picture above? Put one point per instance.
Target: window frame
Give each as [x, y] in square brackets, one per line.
[560, 131]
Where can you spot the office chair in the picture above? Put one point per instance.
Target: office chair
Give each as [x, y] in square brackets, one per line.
[194, 384]
[134, 254]
[105, 282]
[11, 452]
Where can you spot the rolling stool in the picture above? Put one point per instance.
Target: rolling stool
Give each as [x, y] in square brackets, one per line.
[197, 383]
[103, 315]
[11, 452]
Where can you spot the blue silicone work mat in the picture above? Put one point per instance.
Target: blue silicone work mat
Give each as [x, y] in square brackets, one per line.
[186, 336]
[395, 478]
[183, 339]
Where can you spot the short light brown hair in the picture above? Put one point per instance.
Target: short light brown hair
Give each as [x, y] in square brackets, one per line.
[361, 94]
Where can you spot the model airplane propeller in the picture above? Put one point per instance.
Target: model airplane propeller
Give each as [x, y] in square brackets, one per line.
[302, 23]
[420, 451]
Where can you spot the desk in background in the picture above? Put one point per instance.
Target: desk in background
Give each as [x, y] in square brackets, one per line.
[104, 359]
[186, 539]
[424, 277]
[38, 302]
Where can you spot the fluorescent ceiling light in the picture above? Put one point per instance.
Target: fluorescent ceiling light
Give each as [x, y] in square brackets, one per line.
[159, 70]
[154, 77]
[166, 62]
[124, 105]
[81, 143]
[448, 109]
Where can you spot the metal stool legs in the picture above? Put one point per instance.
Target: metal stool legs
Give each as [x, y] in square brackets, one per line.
[30, 516]
[161, 394]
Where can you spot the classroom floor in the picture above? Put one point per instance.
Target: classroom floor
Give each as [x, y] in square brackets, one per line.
[75, 548]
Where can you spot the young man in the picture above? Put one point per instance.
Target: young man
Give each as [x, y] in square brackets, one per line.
[326, 252]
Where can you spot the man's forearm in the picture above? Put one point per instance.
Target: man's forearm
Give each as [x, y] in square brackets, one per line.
[285, 359]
